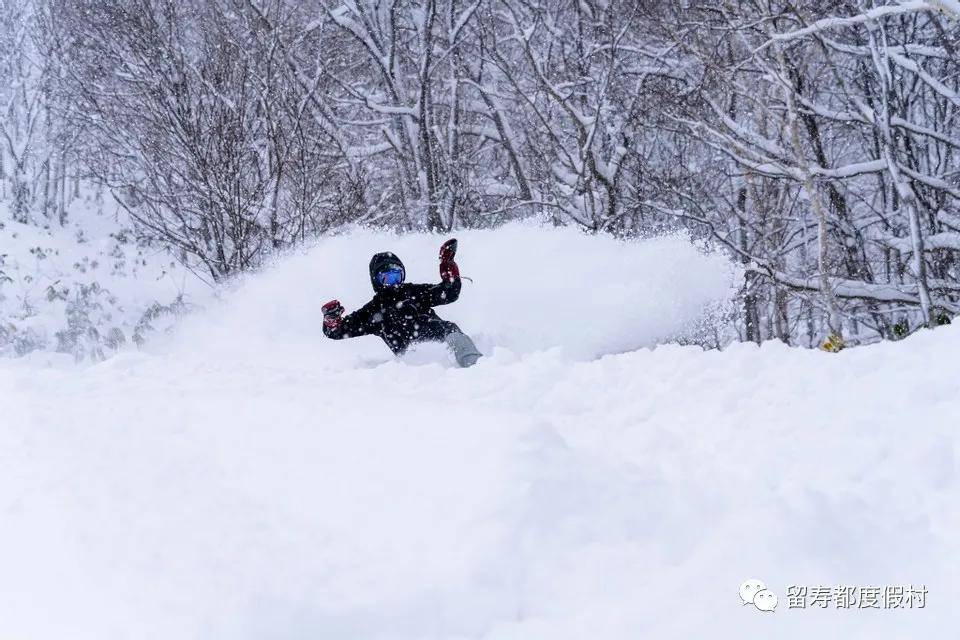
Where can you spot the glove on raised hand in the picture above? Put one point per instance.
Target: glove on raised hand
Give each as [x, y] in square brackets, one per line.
[332, 314]
[449, 270]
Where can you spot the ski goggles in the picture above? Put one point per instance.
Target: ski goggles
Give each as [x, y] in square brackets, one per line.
[391, 276]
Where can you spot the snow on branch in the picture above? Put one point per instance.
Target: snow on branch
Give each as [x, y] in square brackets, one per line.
[917, 6]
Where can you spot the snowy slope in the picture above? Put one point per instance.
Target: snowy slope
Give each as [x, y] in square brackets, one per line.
[249, 480]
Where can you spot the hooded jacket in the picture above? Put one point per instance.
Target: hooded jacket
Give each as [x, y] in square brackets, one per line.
[401, 314]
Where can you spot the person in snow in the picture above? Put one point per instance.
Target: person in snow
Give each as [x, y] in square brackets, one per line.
[402, 313]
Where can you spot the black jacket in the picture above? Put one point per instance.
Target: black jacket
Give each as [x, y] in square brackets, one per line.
[402, 314]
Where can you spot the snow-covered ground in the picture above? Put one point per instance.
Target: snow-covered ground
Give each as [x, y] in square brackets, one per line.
[248, 479]
[82, 290]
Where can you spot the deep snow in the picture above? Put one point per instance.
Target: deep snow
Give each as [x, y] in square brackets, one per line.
[248, 479]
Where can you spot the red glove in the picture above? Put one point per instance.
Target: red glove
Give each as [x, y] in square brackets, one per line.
[332, 314]
[449, 270]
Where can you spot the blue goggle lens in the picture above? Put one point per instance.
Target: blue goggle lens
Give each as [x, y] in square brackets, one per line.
[390, 277]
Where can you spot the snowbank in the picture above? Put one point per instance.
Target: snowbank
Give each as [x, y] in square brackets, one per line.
[530, 288]
[249, 480]
[528, 497]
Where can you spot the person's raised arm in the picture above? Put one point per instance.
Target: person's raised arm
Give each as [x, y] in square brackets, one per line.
[337, 326]
[449, 288]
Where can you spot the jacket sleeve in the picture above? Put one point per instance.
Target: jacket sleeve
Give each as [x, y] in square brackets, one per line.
[358, 323]
[434, 295]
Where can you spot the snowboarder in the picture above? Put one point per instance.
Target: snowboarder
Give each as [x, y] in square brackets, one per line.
[402, 313]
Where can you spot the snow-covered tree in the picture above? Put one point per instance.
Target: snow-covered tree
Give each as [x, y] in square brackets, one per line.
[817, 144]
